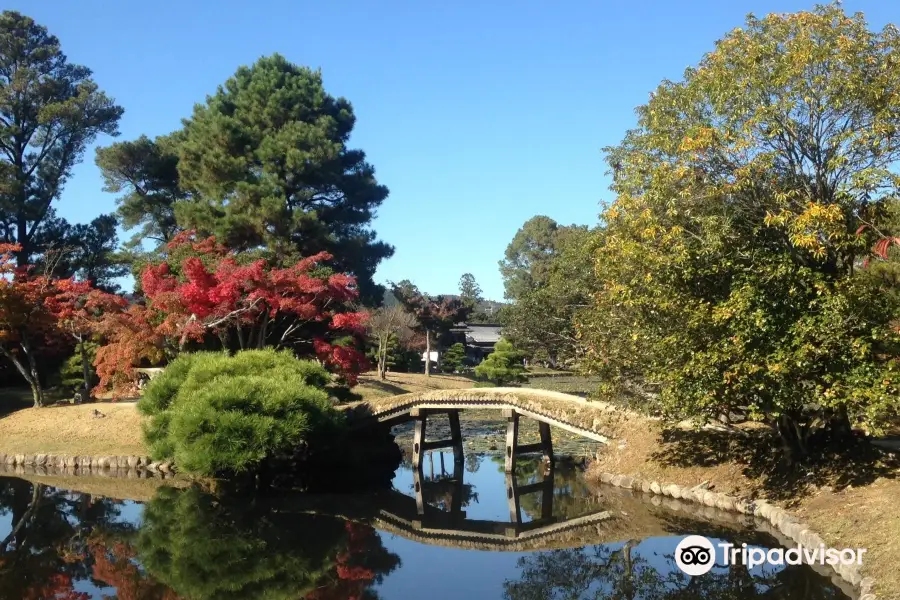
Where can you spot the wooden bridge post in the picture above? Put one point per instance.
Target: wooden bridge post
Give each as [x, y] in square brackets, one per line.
[547, 494]
[512, 498]
[418, 437]
[420, 492]
[512, 438]
[455, 435]
[546, 441]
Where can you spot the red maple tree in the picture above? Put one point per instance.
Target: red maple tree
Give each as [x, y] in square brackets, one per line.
[31, 306]
[203, 293]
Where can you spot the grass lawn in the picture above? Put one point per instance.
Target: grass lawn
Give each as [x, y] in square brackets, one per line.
[73, 430]
[370, 387]
[567, 383]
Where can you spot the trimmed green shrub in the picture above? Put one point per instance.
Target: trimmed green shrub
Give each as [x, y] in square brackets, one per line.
[454, 358]
[217, 414]
[503, 365]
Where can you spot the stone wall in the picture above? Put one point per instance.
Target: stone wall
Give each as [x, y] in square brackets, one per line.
[789, 527]
[106, 466]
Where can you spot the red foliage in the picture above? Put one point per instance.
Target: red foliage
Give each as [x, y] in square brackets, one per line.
[115, 567]
[350, 579]
[56, 587]
[40, 314]
[203, 292]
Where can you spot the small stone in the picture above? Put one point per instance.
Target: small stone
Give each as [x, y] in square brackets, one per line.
[28, 459]
[123, 462]
[627, 483]
[606, 477]
[645, 486]
[95, 462]
[866, 584]
[132, 462]
[153, 466]
[103, 462]
[709, 499]
[40, 460]
[743, 506]
[677, 491]
[165, 467]
[725, 502]
[70, 461]
[655, 488]
[19, 459]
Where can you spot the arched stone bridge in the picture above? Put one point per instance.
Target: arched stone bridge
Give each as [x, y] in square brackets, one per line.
[593, 420]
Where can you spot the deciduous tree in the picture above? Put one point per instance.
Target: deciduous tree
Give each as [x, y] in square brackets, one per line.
[728, 269]
[386, 325]
[435, 315]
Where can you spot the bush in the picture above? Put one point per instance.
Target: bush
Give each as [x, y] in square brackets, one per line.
[454, 359]
[217, 414]
[503, 365]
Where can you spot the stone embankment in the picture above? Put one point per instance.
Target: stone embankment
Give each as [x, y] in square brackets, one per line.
[104, 466]
[789, 526]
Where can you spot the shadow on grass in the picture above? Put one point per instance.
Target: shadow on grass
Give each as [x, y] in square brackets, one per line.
[852, 462]
[14, 399]
[384, 386]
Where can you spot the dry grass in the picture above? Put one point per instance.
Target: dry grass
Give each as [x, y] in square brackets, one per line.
[850, 500]
[73, 430]
[372, 388]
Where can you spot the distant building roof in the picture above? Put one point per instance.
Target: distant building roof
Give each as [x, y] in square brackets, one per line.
[482, 334]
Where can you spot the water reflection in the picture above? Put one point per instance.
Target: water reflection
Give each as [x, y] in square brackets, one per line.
[460, 533]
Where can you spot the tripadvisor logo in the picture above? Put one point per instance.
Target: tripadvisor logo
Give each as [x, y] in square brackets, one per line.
[696, 555]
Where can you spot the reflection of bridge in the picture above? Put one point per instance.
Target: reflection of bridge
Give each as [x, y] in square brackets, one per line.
[592, 420]
[415, 519]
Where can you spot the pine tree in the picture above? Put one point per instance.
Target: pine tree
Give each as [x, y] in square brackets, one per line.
[503, 366]
[454, 358]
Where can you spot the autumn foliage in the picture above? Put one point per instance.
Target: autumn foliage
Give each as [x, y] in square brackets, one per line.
[206, 296]
[41, 315]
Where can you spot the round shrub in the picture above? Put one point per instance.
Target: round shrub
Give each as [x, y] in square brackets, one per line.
[217, 414]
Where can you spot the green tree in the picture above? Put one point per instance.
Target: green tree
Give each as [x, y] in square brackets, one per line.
[454, 358]
[541, 322]
[267, 163]
[503, 365]
[469, 291]
[145, 172]
[91, 253]
[527, 256]
[728, 268]
[50, 111]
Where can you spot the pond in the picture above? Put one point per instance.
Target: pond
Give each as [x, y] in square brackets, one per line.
[457, 530]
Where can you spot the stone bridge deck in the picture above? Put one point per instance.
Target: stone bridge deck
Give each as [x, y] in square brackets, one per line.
[594, 420]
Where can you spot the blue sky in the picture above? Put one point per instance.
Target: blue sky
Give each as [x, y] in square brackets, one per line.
[476, 115]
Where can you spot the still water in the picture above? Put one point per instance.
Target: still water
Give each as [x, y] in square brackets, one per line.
[458, 530]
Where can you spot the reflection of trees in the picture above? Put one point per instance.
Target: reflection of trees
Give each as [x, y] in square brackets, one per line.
[572, 496]
[46, 550]
[621, 572]
[205, 547]
[363, 562]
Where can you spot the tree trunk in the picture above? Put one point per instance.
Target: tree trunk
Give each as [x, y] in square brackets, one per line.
[85, 368]
[261, 342]
[382, 359]
[30, 375]
[427, 353]
[793, 438]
